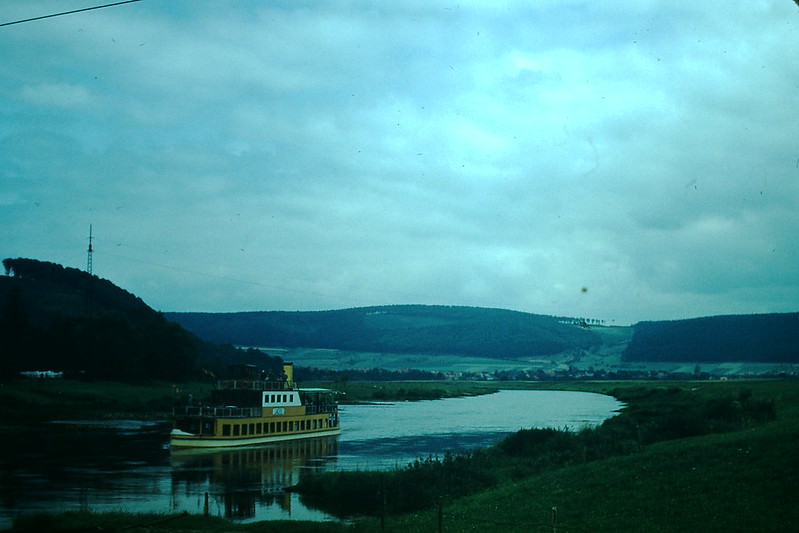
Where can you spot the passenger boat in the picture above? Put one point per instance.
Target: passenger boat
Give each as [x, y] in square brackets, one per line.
[252, 408]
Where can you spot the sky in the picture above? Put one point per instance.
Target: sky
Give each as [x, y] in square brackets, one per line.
[624, 161]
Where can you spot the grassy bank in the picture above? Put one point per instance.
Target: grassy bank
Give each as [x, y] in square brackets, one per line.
[741, 481]
[690, 456]
[36, 400]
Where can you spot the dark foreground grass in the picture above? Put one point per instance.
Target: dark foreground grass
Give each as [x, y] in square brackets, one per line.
[156, 523]
[741, 481]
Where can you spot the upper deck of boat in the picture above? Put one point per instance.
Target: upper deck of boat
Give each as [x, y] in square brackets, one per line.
[255, 384]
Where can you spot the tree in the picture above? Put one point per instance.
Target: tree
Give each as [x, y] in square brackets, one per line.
[14, 332]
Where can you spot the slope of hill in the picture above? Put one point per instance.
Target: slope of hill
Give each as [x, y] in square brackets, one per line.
[471, 331]
[50, 290]
[58, 318]
[767, 338]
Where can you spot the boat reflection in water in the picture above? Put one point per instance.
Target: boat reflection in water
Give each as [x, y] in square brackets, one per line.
[249, 483]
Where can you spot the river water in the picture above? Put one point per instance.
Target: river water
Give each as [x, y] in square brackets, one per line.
[125, 465]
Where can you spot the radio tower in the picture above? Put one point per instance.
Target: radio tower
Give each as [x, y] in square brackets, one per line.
[89, 259]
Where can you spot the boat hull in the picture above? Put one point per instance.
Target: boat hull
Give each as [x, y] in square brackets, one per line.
[179, 439]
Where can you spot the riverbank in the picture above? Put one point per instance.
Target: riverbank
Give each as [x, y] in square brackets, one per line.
[740, 479]
[31, 401]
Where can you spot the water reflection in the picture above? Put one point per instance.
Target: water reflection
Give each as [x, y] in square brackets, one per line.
[241, 481]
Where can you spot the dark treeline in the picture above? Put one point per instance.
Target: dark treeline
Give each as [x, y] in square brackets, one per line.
[472, 331]
[365, 374]
[62, 319]
[768, 338]
[652, 415]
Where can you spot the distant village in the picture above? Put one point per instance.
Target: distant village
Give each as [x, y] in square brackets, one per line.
[555, 374]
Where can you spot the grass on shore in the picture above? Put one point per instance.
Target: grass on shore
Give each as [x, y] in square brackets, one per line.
[740, 481]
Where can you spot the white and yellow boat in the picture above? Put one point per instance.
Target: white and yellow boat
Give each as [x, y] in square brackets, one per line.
[252, 409]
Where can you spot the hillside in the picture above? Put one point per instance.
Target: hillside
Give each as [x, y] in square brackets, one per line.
[59, 318]
[63, 319]
[470, 331]
[766, 338]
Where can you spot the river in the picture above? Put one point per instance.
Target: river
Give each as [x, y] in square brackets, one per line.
[125, 465]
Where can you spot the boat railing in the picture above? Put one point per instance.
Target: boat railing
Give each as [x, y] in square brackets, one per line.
[251, 384]
[228, 412]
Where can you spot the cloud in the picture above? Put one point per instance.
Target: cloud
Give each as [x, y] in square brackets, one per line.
[240, 156]
[57, 95]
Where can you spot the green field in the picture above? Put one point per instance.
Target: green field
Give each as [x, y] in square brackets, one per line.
[739, 477]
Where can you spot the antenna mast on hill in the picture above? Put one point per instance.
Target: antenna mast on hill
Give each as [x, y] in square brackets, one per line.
[89, 259]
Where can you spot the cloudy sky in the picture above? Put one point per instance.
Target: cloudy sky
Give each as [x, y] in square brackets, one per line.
[628, 160]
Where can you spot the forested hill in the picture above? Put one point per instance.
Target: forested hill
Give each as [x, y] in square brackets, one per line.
[471, 331]
[767, 338]
[63, 319]
[51, 290]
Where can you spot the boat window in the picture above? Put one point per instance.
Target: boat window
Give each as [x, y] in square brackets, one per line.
[235, 429]
[225, 430]
[244, 429]
[291, 397]
[271, 427]
[252, 428]
[259, 428]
